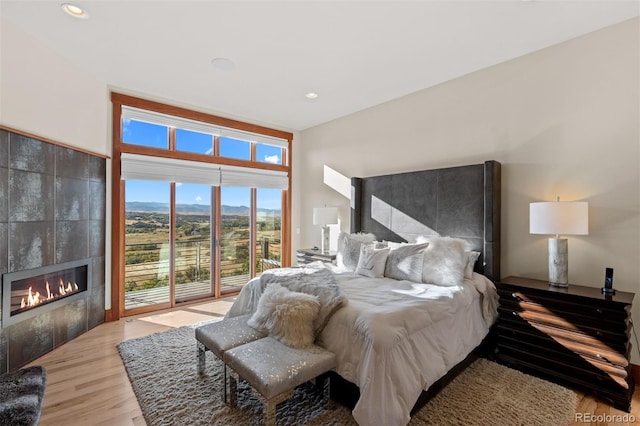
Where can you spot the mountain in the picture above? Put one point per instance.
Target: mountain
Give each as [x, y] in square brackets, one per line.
[137, 206]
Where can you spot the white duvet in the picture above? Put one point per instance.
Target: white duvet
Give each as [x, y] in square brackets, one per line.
[396, 338]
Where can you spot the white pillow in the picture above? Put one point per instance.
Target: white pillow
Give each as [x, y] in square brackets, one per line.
[444, 261]
[405, 262]
[372, 260]
[286, 315]
[349, 249]
[472, 258]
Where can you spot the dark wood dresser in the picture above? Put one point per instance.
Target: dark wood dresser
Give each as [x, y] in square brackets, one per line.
[574, 336]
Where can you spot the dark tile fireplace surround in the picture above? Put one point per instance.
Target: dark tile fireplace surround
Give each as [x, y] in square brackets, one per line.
[52, 212]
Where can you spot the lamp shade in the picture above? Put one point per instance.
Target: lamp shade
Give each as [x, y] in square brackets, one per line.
[559, 217]
[325, 215]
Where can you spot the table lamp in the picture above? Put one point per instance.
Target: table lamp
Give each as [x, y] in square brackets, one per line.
[325, 216]
[559, 218]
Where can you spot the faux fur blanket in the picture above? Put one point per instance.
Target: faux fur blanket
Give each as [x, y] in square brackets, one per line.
[317, 281]
[21, 395]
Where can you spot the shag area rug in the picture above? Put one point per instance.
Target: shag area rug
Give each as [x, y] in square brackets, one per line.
[21, 394]
[162, 371]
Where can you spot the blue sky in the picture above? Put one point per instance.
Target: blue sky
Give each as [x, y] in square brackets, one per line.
[156, 136]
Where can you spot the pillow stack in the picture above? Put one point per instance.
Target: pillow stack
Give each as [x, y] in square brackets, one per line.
[349, 249]
[444, 261]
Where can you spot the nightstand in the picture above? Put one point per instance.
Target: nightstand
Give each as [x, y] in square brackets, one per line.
[575, 336]
[305, 256]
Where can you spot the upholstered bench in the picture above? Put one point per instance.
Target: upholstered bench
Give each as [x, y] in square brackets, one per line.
[221, 336]
[274, 370]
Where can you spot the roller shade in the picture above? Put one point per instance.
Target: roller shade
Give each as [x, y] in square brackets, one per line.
[145, 167]
[130, 113]
[253, 178]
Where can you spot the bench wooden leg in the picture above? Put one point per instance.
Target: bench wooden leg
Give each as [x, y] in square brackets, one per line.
[269, 406]
[323, 385]
[233, 390]
[224, 383]
[202, 350]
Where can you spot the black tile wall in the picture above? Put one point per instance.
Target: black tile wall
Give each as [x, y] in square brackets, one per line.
[31, 155]
[4, 355]
[4, 248]
[30, 245]
[73, 164]
[97, 301]
[72, 199]
[69, 321]
[96, 238]
[4, 148]
[30, 339]
[72, 240]
[31, 196]
[97, 201]
[52, 210]
[4, 194]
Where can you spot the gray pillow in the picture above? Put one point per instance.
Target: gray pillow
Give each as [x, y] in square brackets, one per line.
[372, 260]
[405, 262]
[349, 249]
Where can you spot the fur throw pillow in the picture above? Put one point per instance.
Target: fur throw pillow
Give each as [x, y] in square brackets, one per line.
[444, 261]
[287, 316]
[349, 249]
[405, 262]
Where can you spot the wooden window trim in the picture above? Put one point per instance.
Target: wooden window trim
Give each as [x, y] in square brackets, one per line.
[118, 202]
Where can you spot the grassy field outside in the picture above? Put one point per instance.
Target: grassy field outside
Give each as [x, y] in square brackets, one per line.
[147, 247]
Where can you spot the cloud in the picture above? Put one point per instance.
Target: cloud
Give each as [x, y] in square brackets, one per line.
[275, 159]
[198, 198]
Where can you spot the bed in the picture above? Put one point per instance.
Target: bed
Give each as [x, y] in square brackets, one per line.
[397, 338]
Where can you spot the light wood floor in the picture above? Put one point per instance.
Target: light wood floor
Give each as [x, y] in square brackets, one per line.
[88, 385]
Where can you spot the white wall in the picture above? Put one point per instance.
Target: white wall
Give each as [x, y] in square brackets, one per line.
[43, 94]
[563, 120]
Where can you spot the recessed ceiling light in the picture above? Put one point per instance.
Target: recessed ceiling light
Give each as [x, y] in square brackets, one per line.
[75, 11]
[311, 95]
[223, 64]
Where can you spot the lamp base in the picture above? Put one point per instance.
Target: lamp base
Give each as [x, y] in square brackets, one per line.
[558, 262]
[325, 244]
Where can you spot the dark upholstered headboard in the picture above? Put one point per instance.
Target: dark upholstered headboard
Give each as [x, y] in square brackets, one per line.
[461, 202]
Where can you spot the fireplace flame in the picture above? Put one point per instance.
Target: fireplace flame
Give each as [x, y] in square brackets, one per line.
[35, 298]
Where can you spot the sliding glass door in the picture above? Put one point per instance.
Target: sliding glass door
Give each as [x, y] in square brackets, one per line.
[147, 244]
[235, 238]
[268, 229]
[193, 235]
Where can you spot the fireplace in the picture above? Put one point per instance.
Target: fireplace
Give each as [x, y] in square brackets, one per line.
[30, 292]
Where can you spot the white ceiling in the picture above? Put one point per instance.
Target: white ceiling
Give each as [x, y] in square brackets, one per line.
[354, 54]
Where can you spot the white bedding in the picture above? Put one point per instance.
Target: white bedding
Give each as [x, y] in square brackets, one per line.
[396, 338]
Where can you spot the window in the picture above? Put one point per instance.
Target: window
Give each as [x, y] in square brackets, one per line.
[145, 134]
[204, 204]
[199, 143]
[268, 154]
[234, 148]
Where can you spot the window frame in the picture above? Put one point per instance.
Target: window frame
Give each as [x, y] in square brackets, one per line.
[119, 100]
